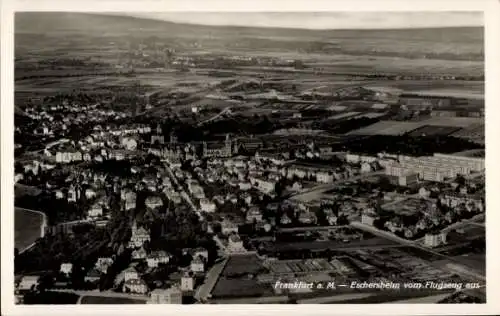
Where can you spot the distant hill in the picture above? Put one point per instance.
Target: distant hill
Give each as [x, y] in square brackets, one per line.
[464, 43]
[36, 22]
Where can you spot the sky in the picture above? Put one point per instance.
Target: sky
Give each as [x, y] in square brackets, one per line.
[323, 20]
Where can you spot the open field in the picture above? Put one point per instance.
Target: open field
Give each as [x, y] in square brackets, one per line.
[387, 128]
[428, 130]
[434, 124]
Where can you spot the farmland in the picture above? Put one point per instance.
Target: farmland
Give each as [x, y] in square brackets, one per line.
[436, 126]
[433, 130]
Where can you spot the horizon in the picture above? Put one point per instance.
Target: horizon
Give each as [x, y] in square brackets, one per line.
[320, 20]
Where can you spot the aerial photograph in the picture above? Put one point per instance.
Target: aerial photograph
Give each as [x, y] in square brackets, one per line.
[249, 158]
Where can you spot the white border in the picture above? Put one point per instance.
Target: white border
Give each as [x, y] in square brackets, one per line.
[491, 8]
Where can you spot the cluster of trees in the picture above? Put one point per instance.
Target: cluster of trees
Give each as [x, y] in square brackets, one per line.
[81, 248]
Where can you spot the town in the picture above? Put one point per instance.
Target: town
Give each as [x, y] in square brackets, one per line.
[215, 191]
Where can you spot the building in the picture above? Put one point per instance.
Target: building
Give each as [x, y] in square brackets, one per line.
[93, 276]
[324, 177]
[154, 202]
[444, 113]
[368, 218]
[408, 179]
[139, 236]
[171, 295]
[254, 215]
[187, 282]
[129, 199]
[29, 283]
[135, 286]
[103, 264]
[95, 211]
[139, 254]
[156, 258]
[197, 265]
[235, 244]
[130, 274]
[434, 240]
[207, 206]
[66, 268]
[228, 227]
[217, 151]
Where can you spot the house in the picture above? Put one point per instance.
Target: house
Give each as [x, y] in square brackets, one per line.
[93, 276]
[424, 193]
[307, 218]
[434, 240]
[90, 193]
[324, 177]
[207, 206]
[156, 258]
[130, 274]
[135, 286]
[87, 157]
[171, 295]
[103, 264]
[187, 282]
[18, 177]
[228, 227]
[200, 253]
[95, 211]
[29, 283]
[285, 220]
[235, 244]
[59, 194]
[366, 167]
[254, 214]
[139, 236]
[197, 265]
[139, 254]
[66, 268]
[154, 202]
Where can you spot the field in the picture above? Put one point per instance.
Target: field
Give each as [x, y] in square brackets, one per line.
[405, 207]
[435, 125]
[109, 300]
[428, 130]
[26, 227]
[387, 128]
[334, 59]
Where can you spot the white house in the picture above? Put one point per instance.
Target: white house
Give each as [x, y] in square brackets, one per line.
[187, 283]
[156, 258]
[197, 265]
[139, 254]
[66, 268]
[207, 206]
[235, 244]
[130, 274]
[95, 211]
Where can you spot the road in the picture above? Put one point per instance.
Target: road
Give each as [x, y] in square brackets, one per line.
[184, 194]
[224, 111]
[309, 229]
[466, 222]
[471, 275]
[203, 292]
[103, 294]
